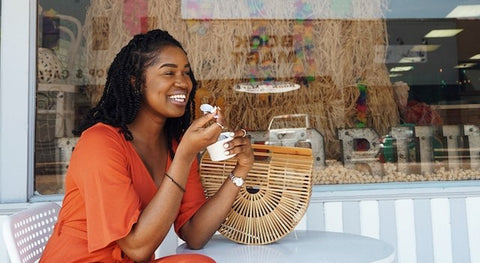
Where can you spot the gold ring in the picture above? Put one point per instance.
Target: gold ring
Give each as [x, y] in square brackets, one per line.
[220, 125]
[244, 133]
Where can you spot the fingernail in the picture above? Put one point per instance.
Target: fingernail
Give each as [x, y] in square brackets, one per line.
[227, 152]
[225, 145]
[231, 134]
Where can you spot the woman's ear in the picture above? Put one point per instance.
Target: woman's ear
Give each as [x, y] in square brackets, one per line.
[136, 90]
[132, 80]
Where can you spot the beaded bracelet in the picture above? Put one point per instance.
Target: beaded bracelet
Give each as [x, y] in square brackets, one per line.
[175, 182]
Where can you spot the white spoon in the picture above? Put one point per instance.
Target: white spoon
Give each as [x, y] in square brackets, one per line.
[207, 108]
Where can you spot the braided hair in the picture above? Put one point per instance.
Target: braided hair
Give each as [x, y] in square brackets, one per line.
[122, 97]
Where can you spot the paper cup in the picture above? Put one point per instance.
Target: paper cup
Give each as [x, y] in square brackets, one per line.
[217, 151]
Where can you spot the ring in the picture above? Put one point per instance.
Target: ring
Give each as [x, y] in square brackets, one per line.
[244, 133]
[220, 125]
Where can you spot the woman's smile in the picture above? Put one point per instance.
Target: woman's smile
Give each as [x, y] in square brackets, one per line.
[178, 98]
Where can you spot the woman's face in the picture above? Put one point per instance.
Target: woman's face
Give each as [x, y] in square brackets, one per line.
[167, 83]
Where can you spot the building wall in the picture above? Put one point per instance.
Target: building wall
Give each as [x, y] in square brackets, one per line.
[438, 223]
[424, 222]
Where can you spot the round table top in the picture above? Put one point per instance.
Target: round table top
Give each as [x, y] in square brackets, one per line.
[300, 246]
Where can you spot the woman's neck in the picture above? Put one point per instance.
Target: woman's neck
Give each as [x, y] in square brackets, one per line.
[145, 128]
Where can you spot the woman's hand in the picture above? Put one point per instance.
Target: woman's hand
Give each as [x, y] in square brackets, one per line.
[205, 131]
[202, 132]
[241, 145]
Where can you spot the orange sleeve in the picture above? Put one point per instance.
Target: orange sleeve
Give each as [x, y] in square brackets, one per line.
[193, 198]
[111, 202]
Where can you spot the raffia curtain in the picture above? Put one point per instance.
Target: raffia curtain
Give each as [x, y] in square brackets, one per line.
[327, 57]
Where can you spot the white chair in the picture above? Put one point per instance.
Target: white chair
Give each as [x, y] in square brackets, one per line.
[27, 232]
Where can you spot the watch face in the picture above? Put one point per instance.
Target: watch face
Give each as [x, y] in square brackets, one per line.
[238, 181]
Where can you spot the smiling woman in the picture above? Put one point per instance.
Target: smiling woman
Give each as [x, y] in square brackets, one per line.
[325, 57]
[141, 132]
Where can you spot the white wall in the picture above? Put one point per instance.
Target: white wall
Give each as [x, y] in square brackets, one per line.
[431, 222]
[15, 78]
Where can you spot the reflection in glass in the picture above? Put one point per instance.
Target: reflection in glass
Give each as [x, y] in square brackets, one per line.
[390, 101]
[60, 96]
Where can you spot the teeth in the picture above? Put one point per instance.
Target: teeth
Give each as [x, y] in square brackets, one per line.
[179, 97]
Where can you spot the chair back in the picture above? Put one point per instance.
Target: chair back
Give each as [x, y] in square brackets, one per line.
[27, 232]
[275, 197]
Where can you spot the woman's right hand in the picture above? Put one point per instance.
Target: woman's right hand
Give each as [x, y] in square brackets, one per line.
[202, 132]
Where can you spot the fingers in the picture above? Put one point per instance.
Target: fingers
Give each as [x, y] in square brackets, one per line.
[241, 146]
[241, 133]
[219, 119]
[240, 143]
[218, 122]
[204, 131]
[203, 120]
[219, 116]
[244, 133]
[211, 121]
[220, 125]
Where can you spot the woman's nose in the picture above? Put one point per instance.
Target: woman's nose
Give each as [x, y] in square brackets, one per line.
[182, 81]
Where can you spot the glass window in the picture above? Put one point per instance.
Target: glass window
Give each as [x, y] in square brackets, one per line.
[61, 94]
[382, 91]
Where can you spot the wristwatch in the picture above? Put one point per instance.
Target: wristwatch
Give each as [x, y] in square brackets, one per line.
[238, 181]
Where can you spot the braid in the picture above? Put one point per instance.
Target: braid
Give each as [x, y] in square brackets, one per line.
[121, 100]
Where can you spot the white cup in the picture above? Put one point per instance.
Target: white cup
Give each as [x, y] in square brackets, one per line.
[217, 151]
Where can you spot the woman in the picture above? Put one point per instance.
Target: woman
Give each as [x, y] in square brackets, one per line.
[134, 170]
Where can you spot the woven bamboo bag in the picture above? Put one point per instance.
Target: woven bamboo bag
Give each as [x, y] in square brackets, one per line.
[275, 197]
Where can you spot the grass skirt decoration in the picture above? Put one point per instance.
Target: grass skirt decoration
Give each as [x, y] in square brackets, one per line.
[324, 56]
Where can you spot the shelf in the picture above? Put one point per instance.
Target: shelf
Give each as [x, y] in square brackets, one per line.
[57, 87]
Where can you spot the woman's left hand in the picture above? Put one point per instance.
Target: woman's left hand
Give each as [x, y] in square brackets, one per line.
[241, 145]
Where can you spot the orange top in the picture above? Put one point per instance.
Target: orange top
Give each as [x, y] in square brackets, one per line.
[106, 188]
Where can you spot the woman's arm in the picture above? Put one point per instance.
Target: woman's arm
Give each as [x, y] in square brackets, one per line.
[199, 229]
[157, 217]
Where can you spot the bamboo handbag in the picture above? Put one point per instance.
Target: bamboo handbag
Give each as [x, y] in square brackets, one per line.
[275, 197]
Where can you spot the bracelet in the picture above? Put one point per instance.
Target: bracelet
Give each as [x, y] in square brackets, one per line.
[175, 182]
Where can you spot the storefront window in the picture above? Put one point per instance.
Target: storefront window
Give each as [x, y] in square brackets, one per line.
[382, 91]
[62, 86]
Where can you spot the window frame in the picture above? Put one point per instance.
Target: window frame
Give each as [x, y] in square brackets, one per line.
[15, 67]
[17, 105]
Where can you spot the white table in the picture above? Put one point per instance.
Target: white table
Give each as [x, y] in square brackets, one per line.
[300, 246]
